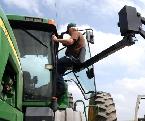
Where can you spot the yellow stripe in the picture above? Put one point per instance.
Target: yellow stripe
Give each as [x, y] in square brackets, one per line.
[9, 40]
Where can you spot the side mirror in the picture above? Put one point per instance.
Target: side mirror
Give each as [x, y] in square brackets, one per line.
[90, 73]
[90, 36]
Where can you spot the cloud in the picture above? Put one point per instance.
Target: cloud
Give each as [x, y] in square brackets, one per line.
[114, 5]
[31, 6]
[103, 6]
[63, 2]
[111, 7]
[98, 9]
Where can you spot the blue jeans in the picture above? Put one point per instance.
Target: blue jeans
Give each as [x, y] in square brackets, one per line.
[62, 65]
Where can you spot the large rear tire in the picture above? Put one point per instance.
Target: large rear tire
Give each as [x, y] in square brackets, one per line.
[105, 108]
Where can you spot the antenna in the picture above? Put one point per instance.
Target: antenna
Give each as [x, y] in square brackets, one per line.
[56, 13]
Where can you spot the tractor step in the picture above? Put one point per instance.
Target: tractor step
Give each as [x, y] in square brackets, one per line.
[68, 115]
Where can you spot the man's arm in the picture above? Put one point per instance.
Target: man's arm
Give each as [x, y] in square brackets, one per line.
[74, 37]
[69, 41]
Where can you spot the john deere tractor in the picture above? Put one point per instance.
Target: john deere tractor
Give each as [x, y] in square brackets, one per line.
[28, 70]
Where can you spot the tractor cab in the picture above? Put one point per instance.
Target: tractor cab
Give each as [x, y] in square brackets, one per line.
[37, 57]
[33, 36]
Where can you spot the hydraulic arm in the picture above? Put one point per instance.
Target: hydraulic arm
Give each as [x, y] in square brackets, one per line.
[126, 41]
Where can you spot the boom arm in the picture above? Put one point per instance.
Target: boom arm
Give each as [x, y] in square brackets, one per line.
[126, 41]
[130, 23]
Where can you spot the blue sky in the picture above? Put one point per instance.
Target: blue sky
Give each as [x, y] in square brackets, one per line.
[123, 73]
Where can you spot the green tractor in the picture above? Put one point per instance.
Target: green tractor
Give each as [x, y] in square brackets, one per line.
[28, 71]
[28, 60]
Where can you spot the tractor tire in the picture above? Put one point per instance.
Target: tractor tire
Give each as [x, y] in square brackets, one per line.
[104, 110]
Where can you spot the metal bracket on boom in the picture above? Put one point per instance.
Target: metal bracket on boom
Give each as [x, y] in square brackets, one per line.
[130, 21]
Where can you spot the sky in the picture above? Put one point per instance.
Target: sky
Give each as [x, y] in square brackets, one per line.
[121, 74]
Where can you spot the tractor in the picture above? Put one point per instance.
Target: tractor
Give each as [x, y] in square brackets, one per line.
[28, 70]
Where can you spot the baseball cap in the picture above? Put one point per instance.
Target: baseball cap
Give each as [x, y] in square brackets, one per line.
[71, 25]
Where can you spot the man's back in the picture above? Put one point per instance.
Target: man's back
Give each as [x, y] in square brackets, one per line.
[79, 43]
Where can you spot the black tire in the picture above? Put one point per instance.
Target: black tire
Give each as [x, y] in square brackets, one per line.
[105, 110]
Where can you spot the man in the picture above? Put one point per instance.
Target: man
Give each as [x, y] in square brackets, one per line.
[75, 53]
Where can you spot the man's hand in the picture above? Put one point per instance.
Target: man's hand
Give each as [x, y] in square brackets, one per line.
[54, 38]
[63, 41]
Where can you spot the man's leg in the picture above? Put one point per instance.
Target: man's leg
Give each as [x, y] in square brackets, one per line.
[62, 65]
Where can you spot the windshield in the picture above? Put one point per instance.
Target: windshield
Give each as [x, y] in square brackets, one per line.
[35, 52]
[86, 85]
